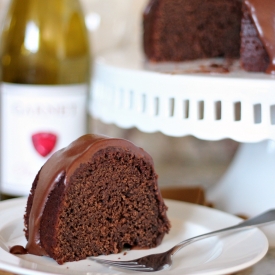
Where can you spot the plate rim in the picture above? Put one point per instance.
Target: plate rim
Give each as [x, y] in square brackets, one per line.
[15, 202]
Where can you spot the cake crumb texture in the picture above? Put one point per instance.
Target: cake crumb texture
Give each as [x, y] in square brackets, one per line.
[110, 202]
[254, 57]
[181, 30]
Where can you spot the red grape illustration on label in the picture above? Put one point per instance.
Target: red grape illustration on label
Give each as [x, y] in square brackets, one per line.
[44, 143]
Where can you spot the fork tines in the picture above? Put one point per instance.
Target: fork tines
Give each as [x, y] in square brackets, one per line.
[130, 265]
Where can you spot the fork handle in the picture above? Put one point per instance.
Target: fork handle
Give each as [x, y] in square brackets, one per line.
[264, 218]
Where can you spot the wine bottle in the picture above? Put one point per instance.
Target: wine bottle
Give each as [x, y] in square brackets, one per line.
[45, 71]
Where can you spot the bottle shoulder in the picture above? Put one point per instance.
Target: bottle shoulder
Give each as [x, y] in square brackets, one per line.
[45, 40]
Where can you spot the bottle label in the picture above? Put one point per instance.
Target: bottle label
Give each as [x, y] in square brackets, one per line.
[36, 121]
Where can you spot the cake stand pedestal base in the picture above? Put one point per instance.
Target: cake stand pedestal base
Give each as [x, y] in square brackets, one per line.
[248, 186]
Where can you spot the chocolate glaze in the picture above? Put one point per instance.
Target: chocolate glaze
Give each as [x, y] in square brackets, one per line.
[263, 15]
[61, 166]
[18, 249]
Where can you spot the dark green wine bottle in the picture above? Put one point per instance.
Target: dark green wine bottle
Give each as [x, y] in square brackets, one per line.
[45, 73]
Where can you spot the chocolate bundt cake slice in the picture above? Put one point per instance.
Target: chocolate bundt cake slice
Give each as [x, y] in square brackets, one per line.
[95, 197]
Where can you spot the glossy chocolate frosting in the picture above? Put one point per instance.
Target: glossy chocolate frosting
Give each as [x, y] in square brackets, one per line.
[61, 166]
[263, 15]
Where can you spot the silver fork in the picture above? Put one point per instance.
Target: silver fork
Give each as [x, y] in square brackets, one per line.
[157, 262]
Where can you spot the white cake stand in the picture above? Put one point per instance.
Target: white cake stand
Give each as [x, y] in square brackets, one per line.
[185, 99]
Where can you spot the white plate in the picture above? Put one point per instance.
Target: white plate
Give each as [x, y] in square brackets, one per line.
[210, 256]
